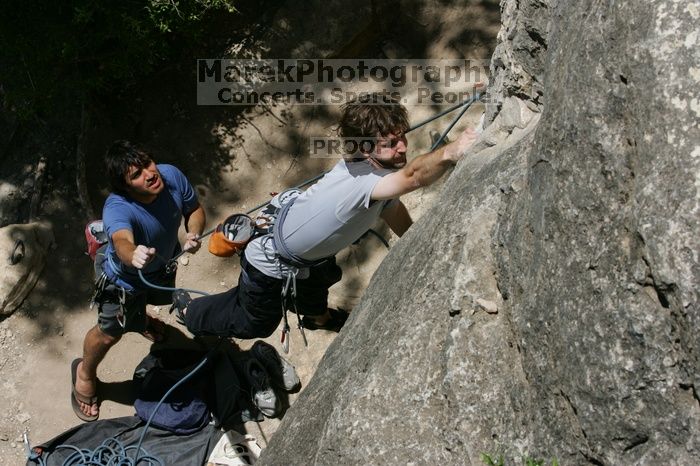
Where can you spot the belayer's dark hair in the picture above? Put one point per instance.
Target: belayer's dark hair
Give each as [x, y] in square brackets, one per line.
[371, 115]
[119, 157]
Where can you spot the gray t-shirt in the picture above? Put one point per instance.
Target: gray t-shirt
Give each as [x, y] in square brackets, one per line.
[329, 216]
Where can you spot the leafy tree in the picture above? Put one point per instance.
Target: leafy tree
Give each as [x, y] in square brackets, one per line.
[55, 53]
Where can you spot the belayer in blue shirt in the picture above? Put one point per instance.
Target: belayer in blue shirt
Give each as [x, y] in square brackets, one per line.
[141, 218]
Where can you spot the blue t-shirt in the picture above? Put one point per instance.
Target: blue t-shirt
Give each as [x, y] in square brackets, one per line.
[153, 225]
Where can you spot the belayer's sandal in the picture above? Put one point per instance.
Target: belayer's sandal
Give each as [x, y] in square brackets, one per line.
[76, 397]
[334, 323]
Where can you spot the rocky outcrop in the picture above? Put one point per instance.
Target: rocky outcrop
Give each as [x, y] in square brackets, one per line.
[23, 250]
[547, 304]
[517, 65]
[599, 260]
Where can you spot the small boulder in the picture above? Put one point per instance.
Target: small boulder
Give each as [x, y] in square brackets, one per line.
[23, 252]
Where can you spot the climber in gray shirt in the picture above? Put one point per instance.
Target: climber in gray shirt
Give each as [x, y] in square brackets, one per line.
[330, 215]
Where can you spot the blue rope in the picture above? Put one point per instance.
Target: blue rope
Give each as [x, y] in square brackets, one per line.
[111, 451]
[454, 122]
[183, 380]
[168, 288]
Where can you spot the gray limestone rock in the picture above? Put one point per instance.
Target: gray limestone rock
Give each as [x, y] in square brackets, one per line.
[518, 63]
[579, 227]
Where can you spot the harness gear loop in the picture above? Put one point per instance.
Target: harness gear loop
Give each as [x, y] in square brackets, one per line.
[100, 286]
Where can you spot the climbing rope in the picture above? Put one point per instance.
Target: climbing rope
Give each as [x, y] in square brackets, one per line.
[468, 104]
[168, 288]
[112, 452]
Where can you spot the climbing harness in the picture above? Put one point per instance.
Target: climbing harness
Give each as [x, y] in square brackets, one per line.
[102, 283]
[288, 264]
[289, 274]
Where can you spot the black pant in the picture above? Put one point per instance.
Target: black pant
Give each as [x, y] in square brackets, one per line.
[253, 309]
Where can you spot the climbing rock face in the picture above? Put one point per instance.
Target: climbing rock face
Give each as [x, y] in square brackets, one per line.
[517, 65]
[547, 304]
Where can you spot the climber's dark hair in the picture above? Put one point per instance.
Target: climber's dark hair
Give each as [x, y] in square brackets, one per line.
[119, 157]
[372, 114]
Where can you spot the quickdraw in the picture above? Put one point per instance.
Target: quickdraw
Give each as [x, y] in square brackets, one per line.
[100, 284]
[289, 300]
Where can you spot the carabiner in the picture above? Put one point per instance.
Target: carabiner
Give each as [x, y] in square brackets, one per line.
[284, 339]
[171, 267]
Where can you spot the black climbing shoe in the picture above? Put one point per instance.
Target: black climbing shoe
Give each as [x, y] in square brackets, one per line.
[334, 323]
[181, 299]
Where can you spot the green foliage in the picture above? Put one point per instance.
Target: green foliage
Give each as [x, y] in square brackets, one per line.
[55, 52]
[527, 461]
[486, 458]
[532, 462]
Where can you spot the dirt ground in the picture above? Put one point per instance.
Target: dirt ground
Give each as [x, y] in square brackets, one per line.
[234, 159]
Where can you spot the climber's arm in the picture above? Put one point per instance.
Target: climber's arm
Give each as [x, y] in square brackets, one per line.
[424, 169]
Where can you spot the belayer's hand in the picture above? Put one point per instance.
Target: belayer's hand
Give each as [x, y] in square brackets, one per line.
[193, 243]
[142, 255]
